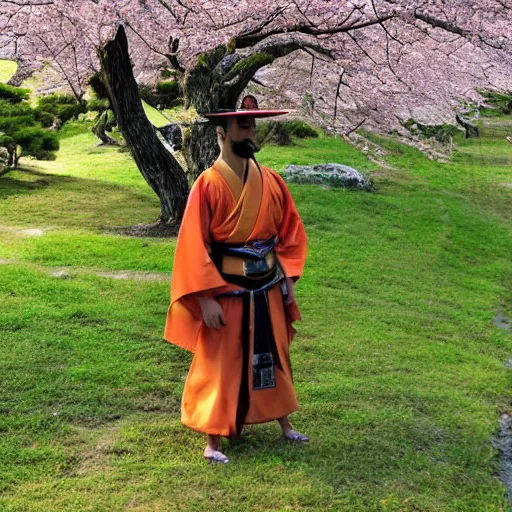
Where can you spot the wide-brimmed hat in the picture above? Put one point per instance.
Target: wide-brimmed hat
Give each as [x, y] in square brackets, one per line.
[248, 107]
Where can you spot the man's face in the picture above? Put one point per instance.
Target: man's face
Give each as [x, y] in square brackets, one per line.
[241, 132]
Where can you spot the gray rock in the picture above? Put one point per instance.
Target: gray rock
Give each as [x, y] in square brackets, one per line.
[4, 157]
[335, 175]
[503, 442]
[172, 134]
[502, 322]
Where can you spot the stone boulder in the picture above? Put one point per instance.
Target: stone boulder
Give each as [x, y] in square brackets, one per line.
[334, 175]
[173, 135]
[4, 158]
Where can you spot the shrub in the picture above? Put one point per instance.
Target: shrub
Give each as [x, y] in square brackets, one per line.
[501, 100]
[98, 87]
[98, 105]
[56, 99]
[13, 94]
[15, 109]
[148, 94]
[67, 112]
[490, 112]
[21, 126]
[36, 142]
[166, 94]
[63, 106]
[5, 140]
[45, 118]
[169, 73]
[167, 88]
[281, 133]
[440, 132]
[300, 129]
[273, 132]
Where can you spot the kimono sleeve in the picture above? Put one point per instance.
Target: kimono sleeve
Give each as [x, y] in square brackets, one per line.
[193, 271]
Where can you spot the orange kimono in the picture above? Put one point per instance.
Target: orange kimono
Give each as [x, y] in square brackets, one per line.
[221, 208]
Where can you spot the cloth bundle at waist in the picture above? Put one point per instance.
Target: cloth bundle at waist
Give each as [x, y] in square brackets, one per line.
[252, 260]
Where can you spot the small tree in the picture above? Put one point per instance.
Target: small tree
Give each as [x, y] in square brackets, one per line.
[20, 128]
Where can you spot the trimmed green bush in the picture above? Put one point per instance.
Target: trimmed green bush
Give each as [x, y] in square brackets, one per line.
[37, 142]
[56, 99]
[5, 140]
[300, 129]
[281, 132]
[63, 106]
[490, 112]
[440, 132]
[13, 94]
[273, 132]
[98, 87]
[98, 105]
[45, 118]
[166, 94]
[502, 100]
[23, 126]
[169, 87]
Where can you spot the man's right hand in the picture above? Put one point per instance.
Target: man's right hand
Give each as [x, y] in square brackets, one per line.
[213, 314]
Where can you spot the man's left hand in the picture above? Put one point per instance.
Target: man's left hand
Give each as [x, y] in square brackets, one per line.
[290, 285]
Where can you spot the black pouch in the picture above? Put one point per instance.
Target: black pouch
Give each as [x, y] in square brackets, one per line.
[263, 374]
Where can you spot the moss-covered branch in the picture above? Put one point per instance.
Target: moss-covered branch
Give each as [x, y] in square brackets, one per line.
[242, 72]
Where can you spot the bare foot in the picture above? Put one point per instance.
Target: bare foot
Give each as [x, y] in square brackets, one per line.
[212, 451]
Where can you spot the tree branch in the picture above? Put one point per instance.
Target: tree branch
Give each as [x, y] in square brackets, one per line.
[166, 6]
[267, 21]
[55, 54]
[250, 39]
[174, 44]
[454, 29]
[243, 71]
[340, 82]
[28, 3]
[355, 127]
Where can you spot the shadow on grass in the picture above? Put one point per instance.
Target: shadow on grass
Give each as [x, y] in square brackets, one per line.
[11, 185]
[70, 202]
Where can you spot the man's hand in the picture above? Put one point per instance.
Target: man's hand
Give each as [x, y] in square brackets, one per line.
[212, 312]
[290, 285]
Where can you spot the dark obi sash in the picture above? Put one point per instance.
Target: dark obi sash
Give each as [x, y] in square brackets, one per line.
[254, 267]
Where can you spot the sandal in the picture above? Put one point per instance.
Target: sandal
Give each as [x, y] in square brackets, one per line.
[216, 457]
[295, 437]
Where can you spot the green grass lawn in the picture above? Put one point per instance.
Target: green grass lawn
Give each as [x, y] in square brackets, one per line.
[7, 69]
[398, 367]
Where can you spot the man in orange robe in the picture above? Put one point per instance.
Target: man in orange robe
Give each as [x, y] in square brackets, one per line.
[240, 250]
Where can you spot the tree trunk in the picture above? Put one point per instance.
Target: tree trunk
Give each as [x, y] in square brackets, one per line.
[200, 148]
[202, 90]
[23, 71]
[100, 130]
[159, 168]
[471, 130]
[13, 158]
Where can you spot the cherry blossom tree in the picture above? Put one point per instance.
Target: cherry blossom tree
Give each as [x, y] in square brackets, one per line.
[359, 60]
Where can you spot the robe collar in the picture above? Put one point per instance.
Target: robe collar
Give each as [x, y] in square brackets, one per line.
[247, 197]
